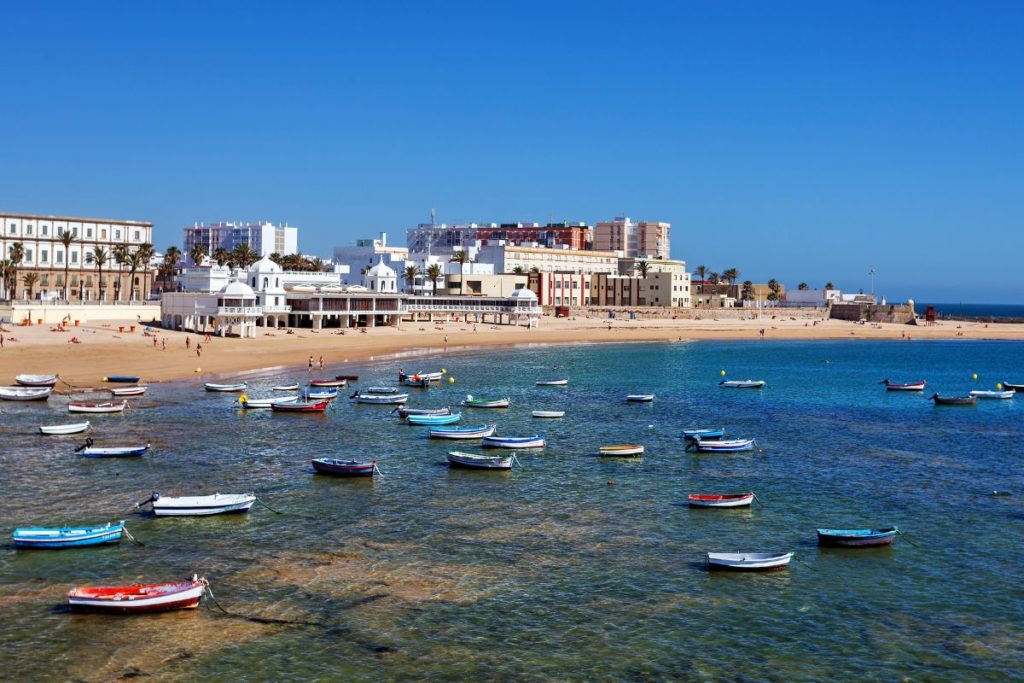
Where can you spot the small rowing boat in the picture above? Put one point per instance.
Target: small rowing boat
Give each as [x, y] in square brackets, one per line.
[210, 386]
[61, 430]
[953, 400]
[903, 386]
[138, 598]
[328, 382]
[993, 394]
[640, 398]
[697, 433]
[25, 393]
[320, 394]
[474, 432]
[128, 391]
[741, 383]
[68, 536]
[90, 451]
[265, 403]
[36, 380]
[721, 445]
[344, 468]
[535, 441]
[433, 420]
[857, 538]
[299, 406]
[720, 500]
[380, 399]
[348, 378]
[199, 506]
[285, 387]
[382, 390]
[122, 379]
[480, 462]
[748, 562]
[104, 407]
[551, 382]
[471, 402]
[549, 413]
[621, 451]
[406, 412]
[1014, 387]
[417, 382]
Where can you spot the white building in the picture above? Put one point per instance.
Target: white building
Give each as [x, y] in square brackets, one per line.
[365, 254]
[263, 238]
[381, 278]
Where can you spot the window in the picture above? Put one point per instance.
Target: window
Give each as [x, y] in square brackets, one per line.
[46, 230]
[44, 280]
[28, 229]
[74, 257]
[103, 233]
[88, 233]
[136, 238]
[117, 234]
[13, 230]
[74, 280]
[28, 256]
[74, 232]
[60, 256]
[44, 256]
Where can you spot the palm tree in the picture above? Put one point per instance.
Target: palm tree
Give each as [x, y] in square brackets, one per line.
[829, 285]
[119, 254]
[519, 270]
[16, 254]
[30, 281]
[747, 291]
[317, 264]
[135, 260]
[172, 257]
[701, 271]
[411, 273]
[434, 273]
[145, 252]
[245, 255]
[802, 286]
[98, 256]
[462, 258]
[774, 286]
[6, 270]
[643, 267]
[221, 256]
[66, 237]
[276, 257]
[730, 275]
[197, 254]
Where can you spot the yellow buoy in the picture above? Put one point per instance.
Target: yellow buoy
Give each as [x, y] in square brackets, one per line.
[974, 376]
[243, 399]
[723, 373]
[451, 380]
[443, 371]
[999, 386]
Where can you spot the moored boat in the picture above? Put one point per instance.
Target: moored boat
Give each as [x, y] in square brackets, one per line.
[328, 382]
[621, 450]
[551, 382]
[903, 386]
[472, 432]
[549, 413]
[406, 412]
[36, 380]
[430, 420]
[479, 461]
[299, 406]
[196, 506]
[348, 378]
[379, 399]
[25, 393]
[953, 400]
[417, 381]
[128, 391]
[314, 394]
[265, 403]
[382, 390]
[721, 445]
[97, 408]
[344, 468]
[857, 538]
[285, 387]
[720, 500]
[122, 379]
[640, 398]
[138, 598]
[1014, 387]
[535, 441]
[211, 386]
[68, 536]
[91, 451]
[61, 430]
[741, 383]
[698, 433]
[472, 402]
[756, 562]
[1009, 393]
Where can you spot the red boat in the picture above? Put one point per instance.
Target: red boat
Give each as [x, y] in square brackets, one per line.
[348, 378]
[328, 382]
[905, 386]
[300, 407]
[720, 500]
[147, 597]
[344, 468]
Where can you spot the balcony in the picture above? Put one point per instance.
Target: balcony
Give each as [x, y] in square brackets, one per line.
[240, 310]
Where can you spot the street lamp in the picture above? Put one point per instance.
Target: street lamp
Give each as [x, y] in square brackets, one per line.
[872, 274]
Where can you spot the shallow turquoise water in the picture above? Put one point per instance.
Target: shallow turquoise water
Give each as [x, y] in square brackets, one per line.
[549, 572]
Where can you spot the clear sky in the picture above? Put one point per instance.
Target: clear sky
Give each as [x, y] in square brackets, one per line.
[801, 141]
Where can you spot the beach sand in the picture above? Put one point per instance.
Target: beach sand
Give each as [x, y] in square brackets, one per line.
[103, 350]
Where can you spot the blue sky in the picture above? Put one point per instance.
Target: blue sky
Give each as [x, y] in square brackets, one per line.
[801, 141]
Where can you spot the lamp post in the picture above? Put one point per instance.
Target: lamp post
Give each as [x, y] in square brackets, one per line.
[872, 274]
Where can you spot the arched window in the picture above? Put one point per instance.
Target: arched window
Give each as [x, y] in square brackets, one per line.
[266, 282]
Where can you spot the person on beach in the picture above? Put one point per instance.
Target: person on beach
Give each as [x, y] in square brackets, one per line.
[199, 350]
[186, 343]
[163, 343]
[321, 363]
[154, 342]
[310, 368]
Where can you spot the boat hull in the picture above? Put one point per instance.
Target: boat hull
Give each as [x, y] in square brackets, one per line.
[461, 432]
[857, 538]
[479, 462]
[640, 398]
[122, 379]
[201, 506]
[344, 468]
[549, 414]
[97, 408]
[741, 384]
[623, 451]
[68, 537]
[513, 442]
[114, 451]
[297, 407]
[129, 391]
[726, 500]
[62, 430]
[748, 562]
[433, 420]
[25, 393]
[36, 380]
[224, 388]
[136, 599]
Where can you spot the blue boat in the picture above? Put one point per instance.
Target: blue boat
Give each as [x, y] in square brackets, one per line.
[694, 434]
[857, 538]
[432, 420]
[474, 432]
[122, 379]
[721, 446]
[67, 537]
[319, 394]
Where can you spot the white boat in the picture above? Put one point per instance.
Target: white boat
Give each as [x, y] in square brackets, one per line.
[250, 403]
[482, 462]
[623, 450]
[210, 386]
[382, 390]
[138, 598]
[128, 391]
[535, 441]
[36, 380]
[993, 394]
[73, 428]
[193, 506]
[640, 398]
[380, 399]
[720, 500]
[25, 393]
[551, 382]
[549, 413]
[741, 383]
[91, 451]
[748, 561]
[105, 407]
[285, 387]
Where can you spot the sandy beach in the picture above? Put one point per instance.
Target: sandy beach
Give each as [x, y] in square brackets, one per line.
[104, 350]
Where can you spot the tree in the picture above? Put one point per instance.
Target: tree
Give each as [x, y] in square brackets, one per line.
[730, 275]
[462, 258]
[6, 271]
[98, 256]
[643, 267]
[16, 252]
[829, 285]
[135, 261]
[713, 281]
[802, 287]
[775, 288]
[519, 270]
[244, 255]
[701, 271]
[145, 252]
[317, 264]
[198, 254]
[434, 273]
[30, 282]
[747, 293]
[276, 257]
[119, 254]
[411, 273]
[221, 256]
[66, 237]
[172, 257]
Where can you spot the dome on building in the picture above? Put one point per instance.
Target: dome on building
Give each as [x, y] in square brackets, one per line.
[524, 294]
[381, 270]
[237, 290]
[265, 265]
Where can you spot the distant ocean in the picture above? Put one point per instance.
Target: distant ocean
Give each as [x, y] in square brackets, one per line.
[973, 311]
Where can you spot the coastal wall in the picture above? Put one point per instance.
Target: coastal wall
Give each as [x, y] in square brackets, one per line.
[874, 313]
[53, 314]
[666, 313]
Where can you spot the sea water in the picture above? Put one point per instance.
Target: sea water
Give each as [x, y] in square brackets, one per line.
[570, 566]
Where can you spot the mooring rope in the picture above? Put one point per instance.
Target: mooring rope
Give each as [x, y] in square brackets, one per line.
[260, 501]
[258, 620]
[131, 538]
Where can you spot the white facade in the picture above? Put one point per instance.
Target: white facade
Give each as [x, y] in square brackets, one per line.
[365, 254]
[506, 259]
[381, 278]
[263, 238]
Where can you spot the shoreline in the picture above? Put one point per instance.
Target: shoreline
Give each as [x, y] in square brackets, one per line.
[103, 351]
